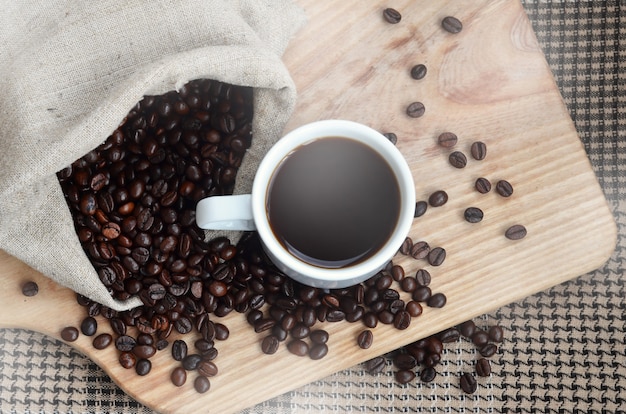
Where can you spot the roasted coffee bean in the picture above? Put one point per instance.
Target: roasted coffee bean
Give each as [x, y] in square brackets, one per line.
[127, 360]
[397, 273]
[515, 232]
[207, 368]
[221, 332]
[191, 361]
[201, 384]
[421, 294]
[451, 24]
[423, 277]
[420, 208]
[319, 336]
[438, 198]
[428, 374]
[30, 288]
[413, 308]
[365, 339]
[467, 328]
[143, 367]
[420, 250]
[408, 284]
[69, 334]
[480, 338]
[449, 335]
[406, 246]
[483, 367]
[404, 376]
[88, 326]
[178, 376]
[447, 139]
[473, 215]
[392, 15]
[478, 150]
[415, 109]
[102, 341]
[437, 300]
[468, 383]
[300, 331]
[270, 344]
[318, 351]
[402, 320]
[298, 347]
[488, 350]
[404, 361]
[144, 351]
[418, 71]
[496, 333]
[376, 365]
[504, 188]
[125, 343]
[436, 256]
[482, 185]
[457, 159]
[393, 138]
[370, 319]
[179, 350]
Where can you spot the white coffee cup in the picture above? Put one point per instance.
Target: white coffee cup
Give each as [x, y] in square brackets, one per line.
[249, 211]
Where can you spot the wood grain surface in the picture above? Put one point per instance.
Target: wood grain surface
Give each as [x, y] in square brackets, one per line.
[489, 83]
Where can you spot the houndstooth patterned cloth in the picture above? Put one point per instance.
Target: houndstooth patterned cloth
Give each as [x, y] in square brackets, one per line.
[564, 349]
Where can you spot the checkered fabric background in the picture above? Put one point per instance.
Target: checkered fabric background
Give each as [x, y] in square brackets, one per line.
[564, 349]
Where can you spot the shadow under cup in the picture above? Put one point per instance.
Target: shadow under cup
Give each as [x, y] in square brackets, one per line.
[333, 201]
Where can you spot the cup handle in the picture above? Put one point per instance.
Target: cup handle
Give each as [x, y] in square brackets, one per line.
[232, 212]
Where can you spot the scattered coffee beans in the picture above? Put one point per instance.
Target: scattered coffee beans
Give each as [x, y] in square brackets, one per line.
[473, 214]
[447, 139]
[69, 334]
[482, 185]
[457, 159]
[30, 288]
[452, 24]
[478, 150]
[418, 71]
[392, 15]
[415, 109]
[504, 188]
[515, 232]
[438, 198]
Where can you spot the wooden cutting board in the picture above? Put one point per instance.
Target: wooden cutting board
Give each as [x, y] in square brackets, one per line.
[490, 83]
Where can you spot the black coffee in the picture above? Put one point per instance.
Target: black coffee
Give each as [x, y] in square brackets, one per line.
[333, 202]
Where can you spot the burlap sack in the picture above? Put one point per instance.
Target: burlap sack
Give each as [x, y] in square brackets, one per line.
[71, 70]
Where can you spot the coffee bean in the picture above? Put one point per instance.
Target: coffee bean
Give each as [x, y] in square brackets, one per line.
[413, 308]
[420, 250]
[468, 383]
[428, 374]
[102, 341]
[436, 256]
[125, 343]
[393, 138]
[69, 334]
[392, 15]
[418, 71]
[402, 320]
[179, 350]
[318, 351]
[438, 300]
[404, 376]
[488, 350]
[478, 150]
[415, 110]
[143, 367]
[504, 188]
[420, 208]
[408, 284]
[88, 326]
[467, 328]
[515, 232]
[483, 367]
[30, 289]
[421, 294]
[473, 214]
[423, 277]
[375, 365]
[298, 347]
[404, 361]
[438, 198]
[201, 384]
[447, 139]
[319, 336]
[451, 24]
[457, 159]
[178, 376]
[449, 335]
[496, 333]
[365, 339]
[207, 368]
[482, 185]
[480, 338]
[270, 344]
[127, 360]
[192, 361]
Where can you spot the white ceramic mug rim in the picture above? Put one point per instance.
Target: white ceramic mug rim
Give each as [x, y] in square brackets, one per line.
[310, 132]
